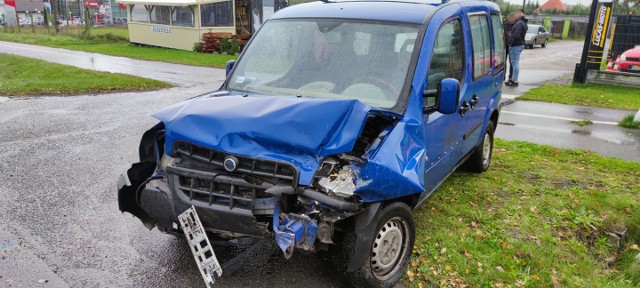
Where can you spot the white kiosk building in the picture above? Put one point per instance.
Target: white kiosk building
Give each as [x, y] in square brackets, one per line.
[178, 24]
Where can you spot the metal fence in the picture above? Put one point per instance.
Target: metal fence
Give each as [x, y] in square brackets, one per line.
[626, 34]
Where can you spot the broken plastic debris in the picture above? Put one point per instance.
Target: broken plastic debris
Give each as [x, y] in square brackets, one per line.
[343, 184]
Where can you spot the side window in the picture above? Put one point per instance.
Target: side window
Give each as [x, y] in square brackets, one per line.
[540, 30]
[498, 40]
[447, 59]
[139, 13]
[481, 44]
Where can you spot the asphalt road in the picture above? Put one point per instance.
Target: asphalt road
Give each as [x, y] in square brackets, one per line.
[59, 159]
[554, 124]
[181, 75]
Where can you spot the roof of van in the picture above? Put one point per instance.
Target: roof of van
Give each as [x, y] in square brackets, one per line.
[406, 11]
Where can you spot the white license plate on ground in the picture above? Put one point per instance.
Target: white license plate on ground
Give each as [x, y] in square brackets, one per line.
[200, 246]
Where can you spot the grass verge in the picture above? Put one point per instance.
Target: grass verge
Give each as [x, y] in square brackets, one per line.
[628, 122]
[540, 217]
[597, 95]
[114, 42]
[21, 76]
[582, 123]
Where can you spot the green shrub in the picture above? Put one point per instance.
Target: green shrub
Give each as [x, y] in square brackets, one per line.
[628, 122]
[225, 46]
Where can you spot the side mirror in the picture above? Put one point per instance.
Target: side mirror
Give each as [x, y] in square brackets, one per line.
[449, 91]
[229, 66]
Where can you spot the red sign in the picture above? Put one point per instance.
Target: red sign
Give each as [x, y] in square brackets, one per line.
[89, 4]
[10, 3]
[122, 6]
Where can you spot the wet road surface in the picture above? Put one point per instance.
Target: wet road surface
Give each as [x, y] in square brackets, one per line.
[177, 74]
[543, 64]
[554, 124]
[59, 161]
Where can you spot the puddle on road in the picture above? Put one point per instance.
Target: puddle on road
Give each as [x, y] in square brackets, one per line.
[581, 132]
[613, 137]
[584, 112]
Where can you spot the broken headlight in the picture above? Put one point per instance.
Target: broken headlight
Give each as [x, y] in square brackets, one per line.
[336, 177]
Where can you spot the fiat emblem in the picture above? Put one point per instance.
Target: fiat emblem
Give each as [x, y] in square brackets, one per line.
[230, 163]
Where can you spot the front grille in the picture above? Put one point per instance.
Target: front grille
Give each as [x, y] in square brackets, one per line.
[199, 173]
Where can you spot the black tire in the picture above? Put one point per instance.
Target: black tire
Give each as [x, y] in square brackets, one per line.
[396, 229]
[545, 43]
[481, 158]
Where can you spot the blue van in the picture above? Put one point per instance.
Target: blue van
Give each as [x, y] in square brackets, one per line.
[337, 120]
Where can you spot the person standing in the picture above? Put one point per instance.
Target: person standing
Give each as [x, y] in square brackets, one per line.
[516, 45]
[508, 24]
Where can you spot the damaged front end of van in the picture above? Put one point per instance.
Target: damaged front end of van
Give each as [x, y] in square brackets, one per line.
[297, 170]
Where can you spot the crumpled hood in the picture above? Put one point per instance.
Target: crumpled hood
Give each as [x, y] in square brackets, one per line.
[296, 130]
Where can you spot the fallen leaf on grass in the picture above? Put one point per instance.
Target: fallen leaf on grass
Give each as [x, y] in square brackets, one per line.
[499, 268]
[468, 254]
[634, 247]
[474, 224]
[535, 238]
[410, 274]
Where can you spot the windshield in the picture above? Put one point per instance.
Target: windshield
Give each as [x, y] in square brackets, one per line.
[532, 29]
[328, 58]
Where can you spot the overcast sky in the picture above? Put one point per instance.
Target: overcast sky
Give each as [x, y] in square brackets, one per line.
[566, 2]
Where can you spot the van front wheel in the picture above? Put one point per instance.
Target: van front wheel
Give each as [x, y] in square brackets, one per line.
[481, 158]
[390, 252]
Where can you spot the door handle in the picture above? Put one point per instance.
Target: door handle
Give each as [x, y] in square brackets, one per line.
[464, 108]
[474, 101]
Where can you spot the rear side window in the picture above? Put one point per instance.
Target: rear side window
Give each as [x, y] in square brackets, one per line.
[447, 59]
[498, 40]
[481, 44]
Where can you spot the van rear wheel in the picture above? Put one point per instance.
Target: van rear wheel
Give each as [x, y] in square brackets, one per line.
[390, 250]
[481, 158]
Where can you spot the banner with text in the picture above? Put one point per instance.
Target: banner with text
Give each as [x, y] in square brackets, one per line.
[599, 35]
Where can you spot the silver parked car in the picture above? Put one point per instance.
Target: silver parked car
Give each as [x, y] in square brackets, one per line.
[536, 35]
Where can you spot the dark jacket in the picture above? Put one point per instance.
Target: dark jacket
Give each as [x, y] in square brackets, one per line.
[518, 31]
[507, 33]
